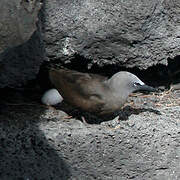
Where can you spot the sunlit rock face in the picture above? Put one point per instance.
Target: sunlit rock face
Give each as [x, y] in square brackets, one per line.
[125, 33]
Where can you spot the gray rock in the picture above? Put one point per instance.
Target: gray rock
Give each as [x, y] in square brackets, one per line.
[22, 63]
[21, 50]
[41, 143]
[126, 33]
[17, 22]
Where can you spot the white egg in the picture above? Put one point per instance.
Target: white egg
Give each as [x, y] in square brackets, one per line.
[51, 97]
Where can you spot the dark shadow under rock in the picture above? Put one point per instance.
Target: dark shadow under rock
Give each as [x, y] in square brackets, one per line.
[38, 143]
[25, 152]
[20, 64]
[128, 111]
[92, 119]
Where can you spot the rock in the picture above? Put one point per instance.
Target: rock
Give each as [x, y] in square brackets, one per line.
[22, 63]
[125, 33]
[17, 22]
[40, 143]
[21, 50]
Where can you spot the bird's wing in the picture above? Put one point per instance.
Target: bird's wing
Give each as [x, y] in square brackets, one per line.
[86, 84]
[79, 88]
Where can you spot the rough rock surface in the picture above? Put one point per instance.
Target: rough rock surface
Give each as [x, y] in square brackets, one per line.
[126, 33]
[22, 63]
[21, 49]
[17, 22]
[40, 143]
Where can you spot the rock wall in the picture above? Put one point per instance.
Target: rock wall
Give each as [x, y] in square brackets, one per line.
[123, 33]
[126, 33]
[17, 22]
[21, 50]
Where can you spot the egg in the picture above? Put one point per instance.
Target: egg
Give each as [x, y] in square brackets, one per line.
[51, 97]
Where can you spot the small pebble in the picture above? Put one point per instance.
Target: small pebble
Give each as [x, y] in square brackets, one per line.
[51, 97]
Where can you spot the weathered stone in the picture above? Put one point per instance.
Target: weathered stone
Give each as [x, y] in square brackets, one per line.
[39, 142]
[20, 59]
[126, 33]
[17, 22]
[22, 63]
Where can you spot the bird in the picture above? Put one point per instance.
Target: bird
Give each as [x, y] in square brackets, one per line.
[51, 97]
[94, 93]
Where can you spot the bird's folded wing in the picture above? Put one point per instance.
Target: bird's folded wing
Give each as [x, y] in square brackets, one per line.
[80, 88]
[86, 84]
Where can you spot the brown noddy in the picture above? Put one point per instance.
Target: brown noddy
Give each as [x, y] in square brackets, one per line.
[94, 93]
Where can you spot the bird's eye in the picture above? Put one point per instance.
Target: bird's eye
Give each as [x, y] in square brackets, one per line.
[137, 84]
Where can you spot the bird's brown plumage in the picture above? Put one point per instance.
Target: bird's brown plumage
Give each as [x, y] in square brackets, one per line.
[94, 93]
[83, 90]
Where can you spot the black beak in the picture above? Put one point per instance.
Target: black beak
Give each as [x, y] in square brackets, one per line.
[147, 88]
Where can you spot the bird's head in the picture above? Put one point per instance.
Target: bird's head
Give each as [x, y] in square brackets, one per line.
[126, 82]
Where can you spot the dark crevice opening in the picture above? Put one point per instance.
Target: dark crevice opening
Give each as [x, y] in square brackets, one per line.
[158, 75]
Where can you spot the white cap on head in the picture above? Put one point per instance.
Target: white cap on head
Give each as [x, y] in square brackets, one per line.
[125, 83]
